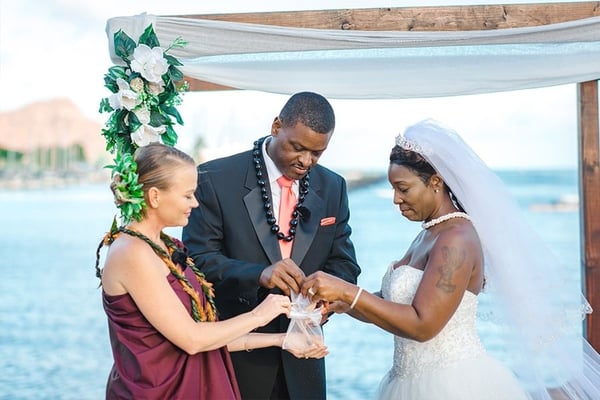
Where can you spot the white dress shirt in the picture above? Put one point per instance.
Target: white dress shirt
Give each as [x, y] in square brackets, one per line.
[274, 174]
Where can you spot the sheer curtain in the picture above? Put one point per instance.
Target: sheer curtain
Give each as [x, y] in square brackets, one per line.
[376, 64]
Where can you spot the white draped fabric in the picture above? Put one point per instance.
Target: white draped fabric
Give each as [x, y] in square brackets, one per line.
[376, 64]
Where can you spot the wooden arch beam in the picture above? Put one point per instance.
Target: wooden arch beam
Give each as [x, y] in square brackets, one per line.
[433, 18]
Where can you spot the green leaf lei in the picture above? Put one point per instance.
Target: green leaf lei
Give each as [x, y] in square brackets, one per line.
[146, 91]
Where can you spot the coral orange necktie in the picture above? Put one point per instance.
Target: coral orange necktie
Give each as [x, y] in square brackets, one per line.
[286, 208]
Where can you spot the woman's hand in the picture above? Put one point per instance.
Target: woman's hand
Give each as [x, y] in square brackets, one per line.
[316, 349]
[272, 306]
[323, 286]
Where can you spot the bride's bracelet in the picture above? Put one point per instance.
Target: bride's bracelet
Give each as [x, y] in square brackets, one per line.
[356, 298]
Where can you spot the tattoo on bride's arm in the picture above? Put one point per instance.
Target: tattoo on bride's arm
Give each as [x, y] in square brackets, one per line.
[454, 258]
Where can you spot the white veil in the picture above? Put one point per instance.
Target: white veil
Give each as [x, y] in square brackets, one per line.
[542, 333]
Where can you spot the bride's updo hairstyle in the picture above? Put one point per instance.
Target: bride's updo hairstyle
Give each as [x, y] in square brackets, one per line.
[417, 164]
[155, 163]
[413, 161]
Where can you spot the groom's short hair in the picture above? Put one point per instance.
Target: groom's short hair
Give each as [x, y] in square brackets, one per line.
[310, 109]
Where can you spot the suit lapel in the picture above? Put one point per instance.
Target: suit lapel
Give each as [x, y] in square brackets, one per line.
[307, 229]
[256, 210]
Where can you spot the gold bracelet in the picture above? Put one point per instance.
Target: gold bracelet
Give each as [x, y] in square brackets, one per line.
[356, 298]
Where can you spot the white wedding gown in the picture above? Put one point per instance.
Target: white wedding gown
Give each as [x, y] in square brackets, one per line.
[452, 365]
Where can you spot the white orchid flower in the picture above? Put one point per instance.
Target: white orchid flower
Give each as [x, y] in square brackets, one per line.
[147, 134]
[150, 63]
[143, 115]
[125, 97]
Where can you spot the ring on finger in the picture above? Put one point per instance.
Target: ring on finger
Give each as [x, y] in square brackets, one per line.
[311, 291]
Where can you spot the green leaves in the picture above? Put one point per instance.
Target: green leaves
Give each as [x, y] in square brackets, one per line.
[175, 74]
[116, 131]
[105, 106]
[129, 195]
[134, 122]
[173, 112]
[110, 78]
[149, 37]
[173, 62]
[124, 46]
[169, 137]
[157, 118]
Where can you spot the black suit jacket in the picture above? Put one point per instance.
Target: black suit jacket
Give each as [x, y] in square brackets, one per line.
[231, 242]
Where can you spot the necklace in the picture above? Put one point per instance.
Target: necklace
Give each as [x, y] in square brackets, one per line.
[445, 217]
[268, 205]
[173, 257]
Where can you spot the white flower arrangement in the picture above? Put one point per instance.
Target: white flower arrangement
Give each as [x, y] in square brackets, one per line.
[146, 91]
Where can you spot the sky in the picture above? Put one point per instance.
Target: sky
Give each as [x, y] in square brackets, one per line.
[59, 49]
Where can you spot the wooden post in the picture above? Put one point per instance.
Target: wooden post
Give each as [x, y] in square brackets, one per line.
[589, 194]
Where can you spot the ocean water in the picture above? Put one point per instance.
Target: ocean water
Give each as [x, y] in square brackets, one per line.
[53, 335]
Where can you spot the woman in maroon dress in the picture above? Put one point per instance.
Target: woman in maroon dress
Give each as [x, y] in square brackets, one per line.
[165, 335]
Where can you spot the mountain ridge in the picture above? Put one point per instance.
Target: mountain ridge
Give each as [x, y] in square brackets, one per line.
[55, 123]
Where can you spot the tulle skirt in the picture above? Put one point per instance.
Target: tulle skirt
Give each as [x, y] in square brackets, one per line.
[481, 378]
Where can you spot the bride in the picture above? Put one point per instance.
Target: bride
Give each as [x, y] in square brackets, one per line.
[473, 240]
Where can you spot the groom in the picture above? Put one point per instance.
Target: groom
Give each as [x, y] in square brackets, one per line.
[247, 250]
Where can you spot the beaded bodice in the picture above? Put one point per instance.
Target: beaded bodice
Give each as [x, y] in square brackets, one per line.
[458, 340]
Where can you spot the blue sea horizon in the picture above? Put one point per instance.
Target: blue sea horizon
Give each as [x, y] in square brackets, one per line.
[53, 337]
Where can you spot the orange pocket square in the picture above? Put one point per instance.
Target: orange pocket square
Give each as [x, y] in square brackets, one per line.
[328, 221]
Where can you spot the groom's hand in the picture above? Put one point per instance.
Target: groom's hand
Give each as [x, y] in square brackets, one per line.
[284, 274]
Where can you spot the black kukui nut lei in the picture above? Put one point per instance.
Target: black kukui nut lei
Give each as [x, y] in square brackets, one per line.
[268, 206]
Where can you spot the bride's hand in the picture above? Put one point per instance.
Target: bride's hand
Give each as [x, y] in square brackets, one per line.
[338, 307]
[323, 286]
[326, 310]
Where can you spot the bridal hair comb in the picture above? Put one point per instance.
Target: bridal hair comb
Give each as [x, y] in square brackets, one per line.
[407, 144]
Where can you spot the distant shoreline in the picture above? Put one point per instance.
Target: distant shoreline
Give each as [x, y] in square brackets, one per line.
[49, 180]
[359, 179]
